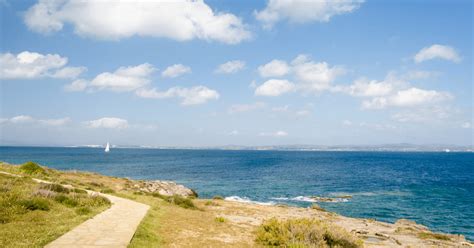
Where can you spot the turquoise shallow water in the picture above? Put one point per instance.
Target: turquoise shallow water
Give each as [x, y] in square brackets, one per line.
[434, 189]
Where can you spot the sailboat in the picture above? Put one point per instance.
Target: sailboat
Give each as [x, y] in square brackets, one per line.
[107, 147]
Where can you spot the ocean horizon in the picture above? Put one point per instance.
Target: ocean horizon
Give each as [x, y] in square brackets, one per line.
[432, 188]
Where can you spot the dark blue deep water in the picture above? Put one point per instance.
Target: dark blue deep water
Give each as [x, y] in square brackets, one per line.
[434, 189]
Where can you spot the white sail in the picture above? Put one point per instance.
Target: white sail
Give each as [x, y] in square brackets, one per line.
[107, 147]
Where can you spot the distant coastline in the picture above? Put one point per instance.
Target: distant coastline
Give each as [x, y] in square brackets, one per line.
[335, 148]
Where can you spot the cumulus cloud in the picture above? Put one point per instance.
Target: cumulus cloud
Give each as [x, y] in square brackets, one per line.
[407, 98]
[190, 96]
[180, 20]
[314, 76]
[176, 71]
[230, 67]
[307, 75]
[367, 88]
[123, 79]
[275, 68]
[26, 119]
[238, 108]
[437, 51]
[274, 134]
[108, 123]
[302, 11]
[274, 87]
[31, 65]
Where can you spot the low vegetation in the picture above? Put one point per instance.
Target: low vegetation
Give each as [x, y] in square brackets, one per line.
[304, 233]
[33, 214]
[220, 219]
[430, 235]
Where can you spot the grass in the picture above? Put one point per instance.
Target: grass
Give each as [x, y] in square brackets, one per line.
[181, 201]
[32, 168]
[304, 233]
[32, 214]
[429, 235]
[218, 197]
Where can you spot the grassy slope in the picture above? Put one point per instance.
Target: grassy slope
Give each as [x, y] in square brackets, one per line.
[21, 227]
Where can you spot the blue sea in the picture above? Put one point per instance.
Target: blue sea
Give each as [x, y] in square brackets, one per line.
[431, 188]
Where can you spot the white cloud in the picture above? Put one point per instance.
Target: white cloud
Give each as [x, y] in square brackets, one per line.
[190, 96]
[69, 72]
[178, 20]
[312, 76]
[31, 65]
[237, 108]
[108, 122]
[426, 114]
[466, 125]
[23, 119]
[274, 134]
[176, 71]
[308, 76]
[347, 123]
[234, 133]
[365, 88]
[123, 79]
[421, 74]
[274, 87]
[377, 126]
[301, 11]
[77, 85]
[275, 68]
[55, 122]
[281, 109]
[407, 98]
[437, 51]
[302, 113]
[229, 67]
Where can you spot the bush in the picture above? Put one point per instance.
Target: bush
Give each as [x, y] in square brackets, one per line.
[317, 207]
[65, 200]
[220, 219]
[304, 233]
[97, 200]
[211, 203]
[83, 210]
[439, 236]
[218, 197]
[35, 204]
[107, 191]
[181, 201]
[54, 187]
[79, 191]
[32, 168]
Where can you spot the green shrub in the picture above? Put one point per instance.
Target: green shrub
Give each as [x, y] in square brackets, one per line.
[211, 203]
[79, 191]
[218, 197]
[54, 187]
[107, 191]
[304, 233]
[97, 200]
[428, 235]
[83, 210]
[220, 219]
[181, 201]
[35, 204]
[65, 200]
[32, 168]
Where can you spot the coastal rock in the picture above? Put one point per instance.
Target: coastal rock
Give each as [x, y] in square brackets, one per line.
[166, 188]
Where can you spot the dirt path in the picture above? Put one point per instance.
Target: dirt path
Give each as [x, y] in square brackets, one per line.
[114, 227]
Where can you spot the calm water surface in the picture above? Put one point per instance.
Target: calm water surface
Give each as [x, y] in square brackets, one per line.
[434, 189]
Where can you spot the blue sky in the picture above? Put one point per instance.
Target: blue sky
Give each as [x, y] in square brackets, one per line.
[291, 72]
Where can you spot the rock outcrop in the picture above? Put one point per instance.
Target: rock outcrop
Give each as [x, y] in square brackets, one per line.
[166, 188]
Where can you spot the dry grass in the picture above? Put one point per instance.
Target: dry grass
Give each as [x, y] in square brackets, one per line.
[305, 233]
[31, 217]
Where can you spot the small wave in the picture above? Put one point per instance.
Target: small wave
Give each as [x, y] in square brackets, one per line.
[318, 199]
[247, 200]
[280, 198]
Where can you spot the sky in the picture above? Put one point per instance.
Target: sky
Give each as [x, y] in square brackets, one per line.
[215, 73]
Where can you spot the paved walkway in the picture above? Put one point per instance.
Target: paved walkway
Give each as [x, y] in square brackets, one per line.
[113, 227]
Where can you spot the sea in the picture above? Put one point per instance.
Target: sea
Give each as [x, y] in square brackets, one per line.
[435, 189]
